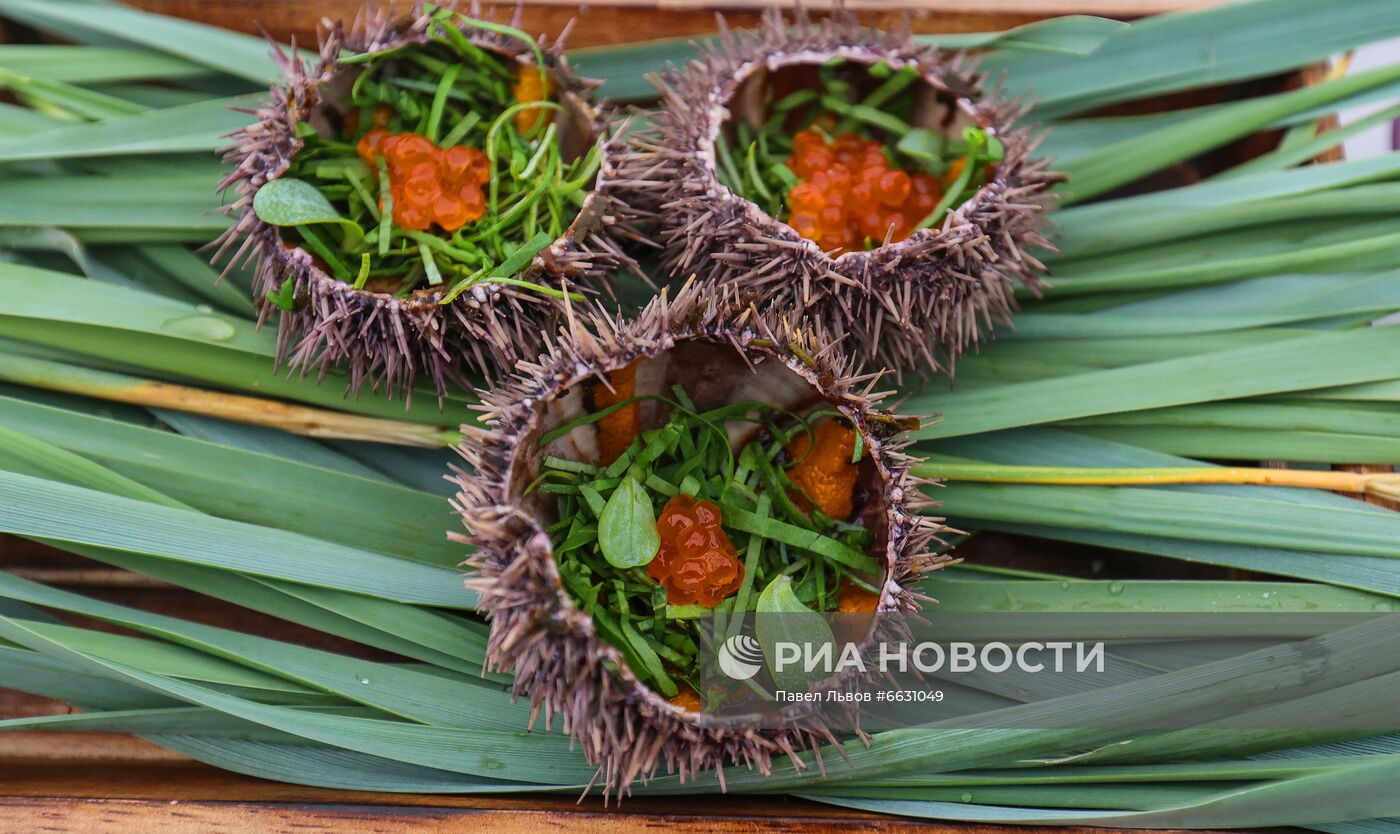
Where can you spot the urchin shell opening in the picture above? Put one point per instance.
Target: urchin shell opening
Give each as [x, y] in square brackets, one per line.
[714, 374]
[747, 95]
[579, 124]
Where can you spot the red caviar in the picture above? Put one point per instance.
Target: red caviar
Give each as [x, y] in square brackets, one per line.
[530, 85]
[850, 192]
[826, 476]
[696, 562]
[617, 430]
[429, 184]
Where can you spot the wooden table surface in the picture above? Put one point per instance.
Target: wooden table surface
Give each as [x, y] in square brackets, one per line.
[113, 784]
[100, 783]
[624, 21]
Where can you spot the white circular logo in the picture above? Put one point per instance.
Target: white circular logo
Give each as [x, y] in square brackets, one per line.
[740, 657]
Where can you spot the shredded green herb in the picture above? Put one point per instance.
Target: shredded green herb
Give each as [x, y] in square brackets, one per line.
[453, 93]
[598, 509]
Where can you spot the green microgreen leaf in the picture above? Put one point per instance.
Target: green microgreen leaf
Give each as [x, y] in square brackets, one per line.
[449, 77]
[627, 526]
[429, 265]
[292, 202]
[955, 191]
[924, 146]
[363, 274]
[782, 618]
[284, 297]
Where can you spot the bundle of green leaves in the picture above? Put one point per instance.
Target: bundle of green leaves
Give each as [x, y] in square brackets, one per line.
[605, 533]
[453, 93]
[1219, 321]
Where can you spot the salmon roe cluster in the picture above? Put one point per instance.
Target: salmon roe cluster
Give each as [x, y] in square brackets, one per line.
[826, 476]
[429, 184]
[850, 193]
[696, 562]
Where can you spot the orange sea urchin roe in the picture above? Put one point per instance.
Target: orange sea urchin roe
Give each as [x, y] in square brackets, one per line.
[696, 562]
[854, 599]
[530, 85]
[826, 476]
[429, 184]
[850, 193]
[687, 699]
[617, 430]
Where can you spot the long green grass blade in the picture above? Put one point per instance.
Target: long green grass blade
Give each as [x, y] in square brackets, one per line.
[1316, 361]
[252, 487]
[48, 510]
[1196, 49]
[185, 128]
[1173, 514]
[1220, 443]
[221, 656]
[242, 56]
[141, 329]
[186, 209]
[87, 64]
[542, 758]
[1119, 164]
[1132, 596]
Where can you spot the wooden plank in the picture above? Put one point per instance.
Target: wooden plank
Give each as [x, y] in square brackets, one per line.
[625, 21]
[104, 816]
[28, 749]
[82, 794]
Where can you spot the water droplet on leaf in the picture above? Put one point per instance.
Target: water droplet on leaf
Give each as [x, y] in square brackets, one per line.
[205, 328]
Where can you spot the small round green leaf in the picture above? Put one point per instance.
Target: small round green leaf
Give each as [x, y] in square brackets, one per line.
[627, 526]
[780, 617]
[290, 202]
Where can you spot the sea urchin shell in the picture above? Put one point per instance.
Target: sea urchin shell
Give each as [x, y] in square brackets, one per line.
[721, 353]
[387, 339]
[916, 301]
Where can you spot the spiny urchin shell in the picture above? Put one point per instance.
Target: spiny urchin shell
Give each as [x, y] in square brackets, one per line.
[915, 302]
[721, 352]
[387, 341]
